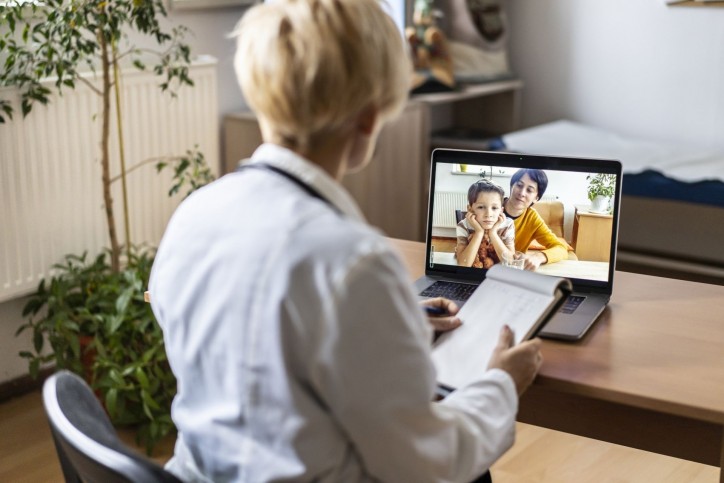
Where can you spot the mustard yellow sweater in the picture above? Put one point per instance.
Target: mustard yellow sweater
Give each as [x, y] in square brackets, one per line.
[530, 226]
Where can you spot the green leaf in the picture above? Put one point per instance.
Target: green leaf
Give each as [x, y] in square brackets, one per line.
[34, 368]
[115, 321]
[25, 107]
[75, 346]
[33, 306]
[123, 299]
[117, 378]
[111, 399]
[142, 379]
[38, 341]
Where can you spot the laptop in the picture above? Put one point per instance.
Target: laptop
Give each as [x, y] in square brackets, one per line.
[591, 235]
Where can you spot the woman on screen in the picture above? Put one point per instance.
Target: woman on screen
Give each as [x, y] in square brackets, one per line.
[526, 187]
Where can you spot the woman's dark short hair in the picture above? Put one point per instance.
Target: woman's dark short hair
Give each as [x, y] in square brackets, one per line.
[483, 186]
[537, 175]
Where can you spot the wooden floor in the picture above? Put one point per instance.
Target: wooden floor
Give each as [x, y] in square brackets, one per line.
[539, 455]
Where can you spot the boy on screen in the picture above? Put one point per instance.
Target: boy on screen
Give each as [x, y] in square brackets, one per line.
[485, 236]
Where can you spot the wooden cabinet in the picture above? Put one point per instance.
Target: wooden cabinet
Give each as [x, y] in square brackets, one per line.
[392, 190]
[241, 137]
[591, 235]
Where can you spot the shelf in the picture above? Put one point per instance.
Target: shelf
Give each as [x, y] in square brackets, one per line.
[692, 3]
[469, 91]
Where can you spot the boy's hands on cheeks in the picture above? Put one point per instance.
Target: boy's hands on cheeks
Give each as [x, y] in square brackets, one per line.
[521, 361]
[498, 222]
[470, 216]
[441, 313]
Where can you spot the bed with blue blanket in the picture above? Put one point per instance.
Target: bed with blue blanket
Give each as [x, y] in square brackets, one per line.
[672, 209]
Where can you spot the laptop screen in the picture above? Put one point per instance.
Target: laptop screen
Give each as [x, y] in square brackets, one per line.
[571, 231]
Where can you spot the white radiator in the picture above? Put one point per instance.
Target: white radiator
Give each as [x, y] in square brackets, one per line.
[51, 200]
[446, 202]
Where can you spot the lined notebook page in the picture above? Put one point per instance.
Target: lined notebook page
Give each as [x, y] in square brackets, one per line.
[462, 355]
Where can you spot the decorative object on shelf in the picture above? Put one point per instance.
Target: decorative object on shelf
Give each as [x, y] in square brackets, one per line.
[477, 31]
[429, 49]
[601, 188]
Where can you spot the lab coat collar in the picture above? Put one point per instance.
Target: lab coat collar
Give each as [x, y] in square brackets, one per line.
[310, 174]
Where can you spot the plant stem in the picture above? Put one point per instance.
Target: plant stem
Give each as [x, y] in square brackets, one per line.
[121, 151]
[105, 154]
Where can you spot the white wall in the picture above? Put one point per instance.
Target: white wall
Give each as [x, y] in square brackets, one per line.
[636, 67]
[211, 29]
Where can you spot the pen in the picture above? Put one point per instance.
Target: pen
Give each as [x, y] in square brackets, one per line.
[436, 311]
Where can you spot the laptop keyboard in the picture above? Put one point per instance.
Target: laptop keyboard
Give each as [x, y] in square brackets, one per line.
[571, 304]
[463, 291]
[450, 290]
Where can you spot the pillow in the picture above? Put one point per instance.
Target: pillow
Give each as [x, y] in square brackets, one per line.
[534, 245]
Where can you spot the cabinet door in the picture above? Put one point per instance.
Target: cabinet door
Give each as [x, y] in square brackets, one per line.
[392, 189]
[592, 236]
[241, 137]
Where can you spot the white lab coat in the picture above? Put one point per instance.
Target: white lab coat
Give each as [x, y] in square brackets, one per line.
[300, 350]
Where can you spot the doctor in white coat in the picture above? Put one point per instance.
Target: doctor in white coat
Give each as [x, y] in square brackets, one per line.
[300, 350]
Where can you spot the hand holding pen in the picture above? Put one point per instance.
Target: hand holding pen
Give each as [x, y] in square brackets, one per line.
[441, 313]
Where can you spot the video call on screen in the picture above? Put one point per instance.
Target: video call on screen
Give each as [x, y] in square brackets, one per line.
[583, 226]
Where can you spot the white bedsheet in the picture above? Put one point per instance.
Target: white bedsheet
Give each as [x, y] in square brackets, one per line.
[567, 138]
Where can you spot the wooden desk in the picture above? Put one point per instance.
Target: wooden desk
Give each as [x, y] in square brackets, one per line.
[649, 374]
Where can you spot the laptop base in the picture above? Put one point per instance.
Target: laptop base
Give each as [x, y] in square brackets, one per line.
[573, 326]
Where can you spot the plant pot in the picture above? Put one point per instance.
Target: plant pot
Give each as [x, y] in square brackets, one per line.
[463, 168]
[600, 204]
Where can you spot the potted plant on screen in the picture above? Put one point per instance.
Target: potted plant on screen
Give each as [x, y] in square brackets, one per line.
[601, 188]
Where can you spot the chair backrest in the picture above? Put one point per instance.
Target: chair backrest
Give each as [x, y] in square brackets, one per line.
[459, 215]
[552, 213]
[88, 447]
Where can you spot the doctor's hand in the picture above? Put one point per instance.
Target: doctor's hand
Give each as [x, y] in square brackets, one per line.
[441, 313]
[521, 361]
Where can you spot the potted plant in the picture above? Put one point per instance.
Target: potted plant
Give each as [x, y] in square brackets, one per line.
[125, 357]
[91, 312]
[98, 325]
[601, 188]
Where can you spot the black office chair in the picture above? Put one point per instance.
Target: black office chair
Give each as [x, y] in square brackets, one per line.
[88, 447]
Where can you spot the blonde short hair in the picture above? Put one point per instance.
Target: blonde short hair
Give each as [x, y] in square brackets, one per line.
[308, 66]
